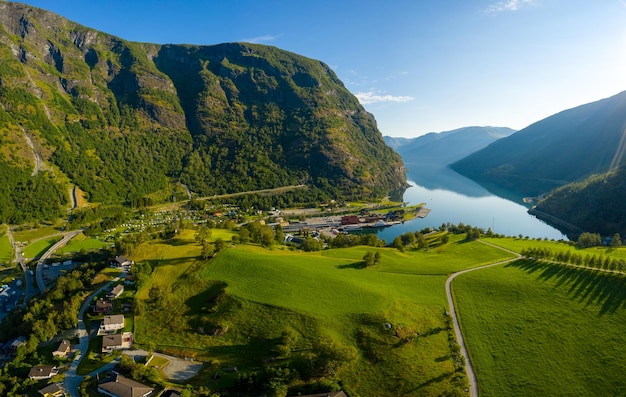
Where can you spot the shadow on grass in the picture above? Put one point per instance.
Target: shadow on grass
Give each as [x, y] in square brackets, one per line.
[355, 265]
[592, 287]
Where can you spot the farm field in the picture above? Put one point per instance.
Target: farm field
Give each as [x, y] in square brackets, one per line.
[539, 329]
[36, 249]
[34, 234]
[234, 309]
[6, 251]
[82, 242]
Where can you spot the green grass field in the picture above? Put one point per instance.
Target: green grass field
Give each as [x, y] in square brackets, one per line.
[82, 242]
[535, 329]
[6, 251]
[232, 309]
[34, 234]
[36, 249]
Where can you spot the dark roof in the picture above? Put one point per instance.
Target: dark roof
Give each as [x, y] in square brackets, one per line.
[121, 259]
[124, 387]
[42, 371]
[111, 340]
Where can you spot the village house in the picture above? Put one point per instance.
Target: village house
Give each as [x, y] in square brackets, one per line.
[117, 342]
[63, 350]
[42, 372]
[124, 387]
[121, 261]
[103, 306]
[350, 220]
[52, 390]
[116, 291]
[111, 324]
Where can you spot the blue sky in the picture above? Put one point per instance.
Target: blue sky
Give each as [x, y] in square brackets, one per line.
[418, 65]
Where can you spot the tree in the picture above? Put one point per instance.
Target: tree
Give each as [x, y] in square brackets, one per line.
[280, 235]
[369, 259]
[220, 244]
[208, 250]
[203, 234]
[616, 241]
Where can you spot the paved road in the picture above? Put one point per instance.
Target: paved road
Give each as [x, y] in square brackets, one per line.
[72, 380]
[38, 273]
[469, 369]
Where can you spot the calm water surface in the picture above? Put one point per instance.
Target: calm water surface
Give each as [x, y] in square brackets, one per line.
[454, 198]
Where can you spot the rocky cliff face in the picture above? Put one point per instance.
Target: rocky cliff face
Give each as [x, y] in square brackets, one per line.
[122, 120]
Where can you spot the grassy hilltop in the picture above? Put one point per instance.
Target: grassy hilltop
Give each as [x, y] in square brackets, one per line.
[250, 306]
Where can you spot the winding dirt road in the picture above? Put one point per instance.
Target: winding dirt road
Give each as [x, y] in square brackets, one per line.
[469, 369]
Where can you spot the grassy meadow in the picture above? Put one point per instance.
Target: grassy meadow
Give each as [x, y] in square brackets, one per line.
[36, 249]
[535, 329]
[6, 251]
[234, 309]
[82, 242]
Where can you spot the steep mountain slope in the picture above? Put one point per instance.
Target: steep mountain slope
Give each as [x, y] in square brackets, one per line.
[560, 149]
[592, 205]
[446, 147]
[122, 120]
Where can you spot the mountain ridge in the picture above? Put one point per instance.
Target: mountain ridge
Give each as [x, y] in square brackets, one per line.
[443, 148]
[122, 120]
[565, 147]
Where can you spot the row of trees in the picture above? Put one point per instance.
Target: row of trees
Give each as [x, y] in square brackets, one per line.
[595, 261]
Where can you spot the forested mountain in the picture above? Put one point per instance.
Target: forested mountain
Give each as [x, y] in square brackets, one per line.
[123, 120]
[593, 205]
[566, 147]
[446, 147]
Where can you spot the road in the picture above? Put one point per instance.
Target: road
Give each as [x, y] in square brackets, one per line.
[39, 273]
[72, 380]
[469, 369]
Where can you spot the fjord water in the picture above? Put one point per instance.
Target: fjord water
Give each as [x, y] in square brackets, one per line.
[454, 198]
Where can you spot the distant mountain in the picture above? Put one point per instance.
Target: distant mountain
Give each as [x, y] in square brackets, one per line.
[563, 148]
[593, 205]
[445, 147]
[124, 120]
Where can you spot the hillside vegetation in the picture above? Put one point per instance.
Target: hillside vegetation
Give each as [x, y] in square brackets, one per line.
[563, 148]
[592, 205]
[261, 310]
[123, 120]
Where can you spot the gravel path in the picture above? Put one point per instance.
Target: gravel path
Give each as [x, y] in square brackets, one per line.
[469, 369]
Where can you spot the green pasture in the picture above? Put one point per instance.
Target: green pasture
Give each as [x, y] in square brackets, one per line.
[443, 260]
[535, 329]
[36, 249]
[249, 296]
[82, 242]
[34, 234]
[6, 251]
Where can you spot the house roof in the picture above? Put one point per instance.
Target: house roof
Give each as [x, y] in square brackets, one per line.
[124, 387]
[64, 346]
[52, 388]
[100, 304]
[121, 259]
[118, 289]
[113, 319]
[112, 340]
[42, 371]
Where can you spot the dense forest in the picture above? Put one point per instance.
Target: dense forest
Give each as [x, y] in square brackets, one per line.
[593, 205]
[124, 120]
